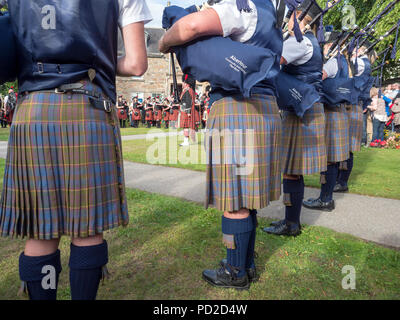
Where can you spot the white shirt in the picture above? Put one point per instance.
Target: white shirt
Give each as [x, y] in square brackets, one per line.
[297, 53]
[131, 11]
[331, 67]
[239, 26]
[392, 94]
[361, 65]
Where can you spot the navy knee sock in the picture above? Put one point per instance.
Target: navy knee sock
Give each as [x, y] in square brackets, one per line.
[236, 237]
[344, 175]
[330, 181]
[86, 269]
[293, 199]
[40, 275]
[252, 242]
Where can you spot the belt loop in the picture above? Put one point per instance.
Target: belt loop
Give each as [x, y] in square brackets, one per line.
[59, 69]
[40, 67]
[107, 106]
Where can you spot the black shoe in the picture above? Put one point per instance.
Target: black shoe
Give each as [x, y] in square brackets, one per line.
[223, 278]
[251, 272]
[284, 229]
[339, 188]
[318, 204]
[277, 223]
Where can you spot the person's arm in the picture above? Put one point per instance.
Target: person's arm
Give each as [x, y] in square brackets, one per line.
[387, 100]
[134, 63]
[191, 27]
[373, 105]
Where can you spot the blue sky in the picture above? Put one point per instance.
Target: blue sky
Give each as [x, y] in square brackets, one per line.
[157, 7]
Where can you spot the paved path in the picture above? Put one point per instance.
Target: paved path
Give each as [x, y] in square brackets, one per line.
[369, 218]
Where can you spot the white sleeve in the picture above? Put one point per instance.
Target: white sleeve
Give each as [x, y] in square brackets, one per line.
[239, 26]
[297, 52]
[360, 67]
[331, 68]
[131, 11]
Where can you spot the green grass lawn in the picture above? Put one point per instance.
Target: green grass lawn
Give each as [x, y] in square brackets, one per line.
[4, 132]
[141, 130]
[124, 131]
[376, 172]
[162, 252]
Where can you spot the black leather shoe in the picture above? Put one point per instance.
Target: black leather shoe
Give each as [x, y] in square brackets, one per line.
[251, 272]
[223, 278]
[277, 223]
[339, 188]
[318, 204]
[283, 229]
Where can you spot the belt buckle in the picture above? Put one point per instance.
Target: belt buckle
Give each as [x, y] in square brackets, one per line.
[57, 90]
[107, 106]
[40, 67]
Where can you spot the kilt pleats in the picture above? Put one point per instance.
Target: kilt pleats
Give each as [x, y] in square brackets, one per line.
[303, 144]
[243, 158]
[64, 170]
[336, 133]
[355, 118]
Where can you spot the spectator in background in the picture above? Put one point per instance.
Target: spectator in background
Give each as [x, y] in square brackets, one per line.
[396, 112]
[366, 114]
[379, 116]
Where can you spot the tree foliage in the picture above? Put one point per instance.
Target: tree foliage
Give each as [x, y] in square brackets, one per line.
[365, 11]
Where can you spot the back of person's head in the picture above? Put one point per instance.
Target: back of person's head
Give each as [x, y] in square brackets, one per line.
[374, 92]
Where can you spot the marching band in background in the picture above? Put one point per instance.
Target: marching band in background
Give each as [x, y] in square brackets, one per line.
[161, 112]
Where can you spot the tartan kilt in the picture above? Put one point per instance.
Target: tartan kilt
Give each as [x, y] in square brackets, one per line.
[166, 115]
[149, 116]
[241, 131]
[196, 116]
[185, 120]
[355, 118]
[336, 133]
[175, 115]
[158, 115]
[303, 144]
[136, 117]
[64, 172]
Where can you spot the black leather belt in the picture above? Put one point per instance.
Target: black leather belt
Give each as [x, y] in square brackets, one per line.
[96, 99]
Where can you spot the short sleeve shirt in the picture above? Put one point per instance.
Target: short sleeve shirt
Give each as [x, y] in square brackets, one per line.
[297, 53]
[239, 26]
[360, 65]
[132, 11]
[331, 67]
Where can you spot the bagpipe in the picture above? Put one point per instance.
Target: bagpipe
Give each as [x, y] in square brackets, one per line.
[294, 94]
[224, 63]
[8, 53]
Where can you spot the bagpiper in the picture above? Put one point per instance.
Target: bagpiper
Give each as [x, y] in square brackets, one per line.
[74, 183]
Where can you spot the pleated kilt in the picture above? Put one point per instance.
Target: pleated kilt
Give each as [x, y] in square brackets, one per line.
[166, 115]
[336, 133]
[158, 114]
[149, 115]
[134, 116]
[185, 120]
[174, 116]
[64, 173]
[355, 118]
[303, 145]
[243, 155]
